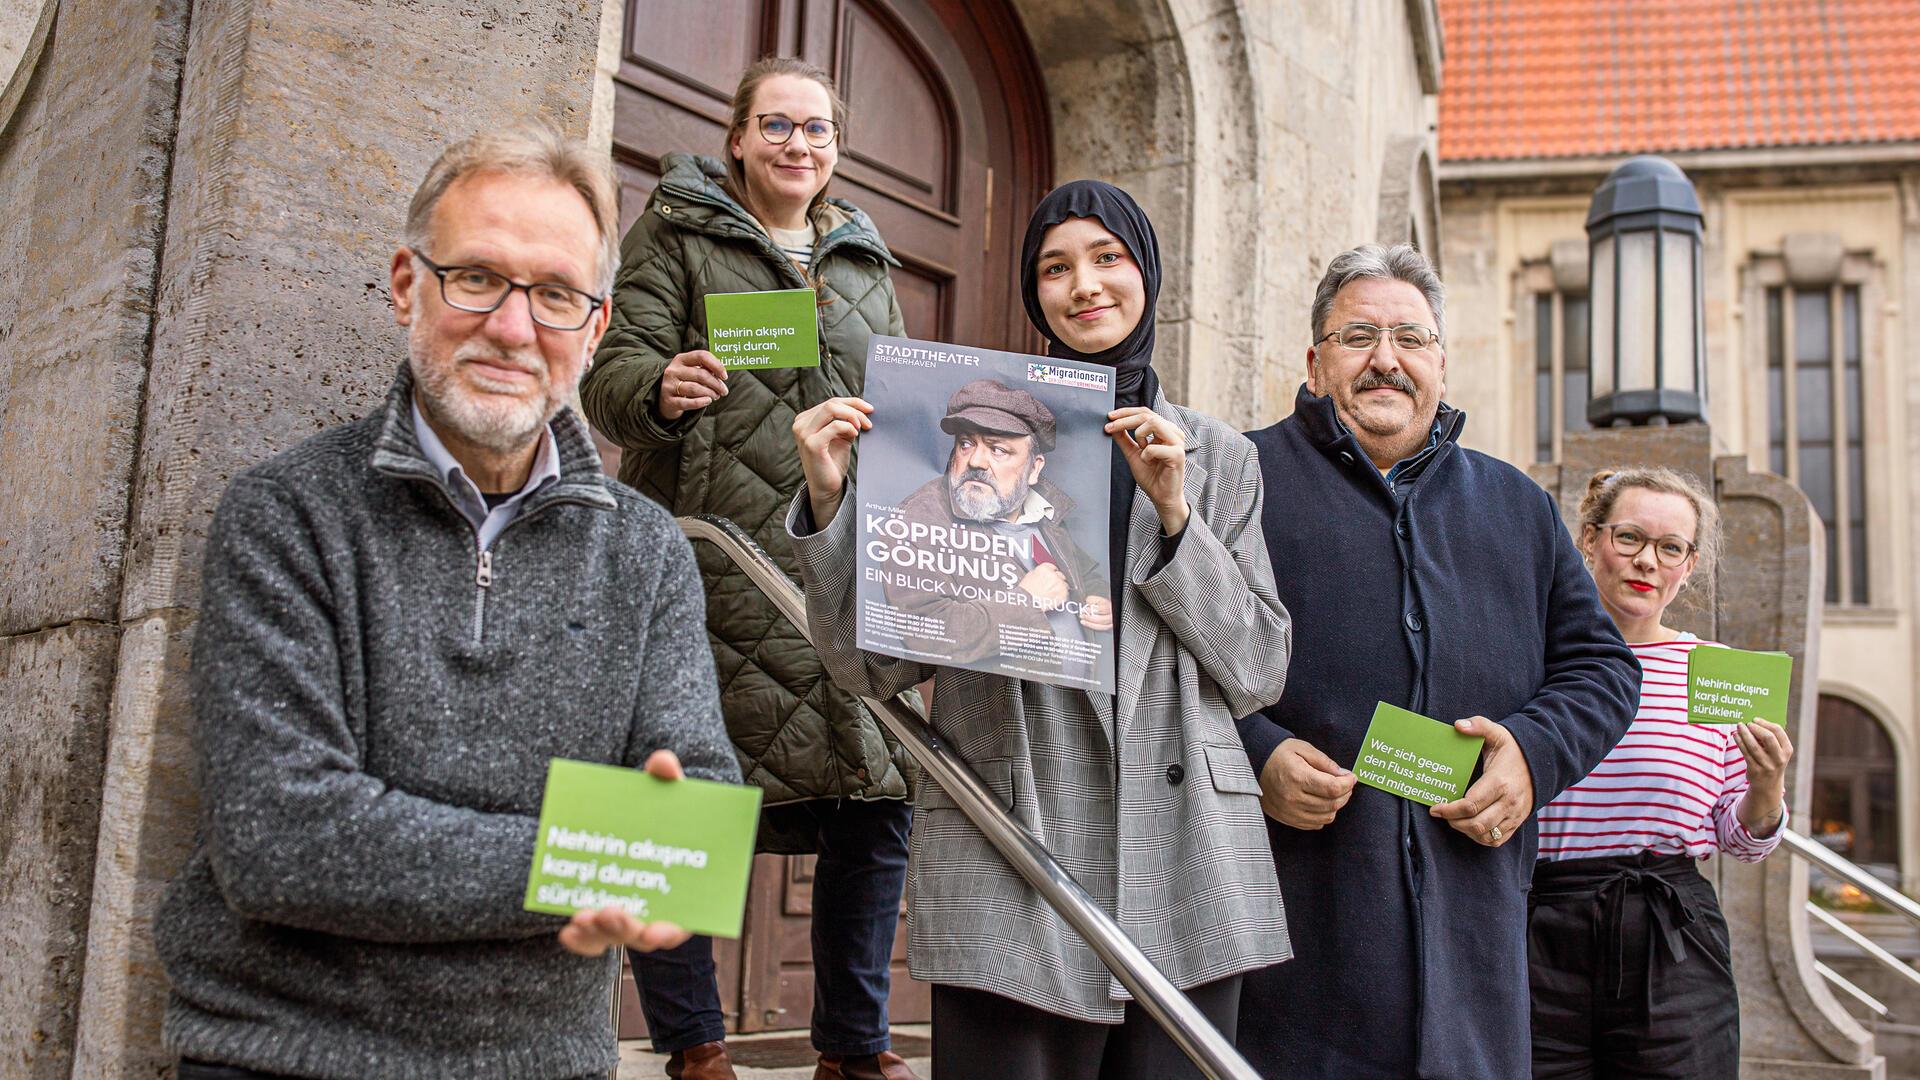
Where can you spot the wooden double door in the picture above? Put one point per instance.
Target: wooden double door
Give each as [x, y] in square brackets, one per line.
[946, 147]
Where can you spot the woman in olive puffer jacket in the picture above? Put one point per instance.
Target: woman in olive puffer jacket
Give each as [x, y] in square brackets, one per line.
[703, 440]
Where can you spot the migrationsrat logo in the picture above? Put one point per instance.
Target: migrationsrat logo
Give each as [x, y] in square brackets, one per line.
[1066, 376]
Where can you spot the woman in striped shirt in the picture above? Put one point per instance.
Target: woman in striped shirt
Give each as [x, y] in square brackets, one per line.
[1628, 954]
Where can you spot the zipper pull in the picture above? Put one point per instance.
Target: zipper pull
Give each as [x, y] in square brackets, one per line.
[485, 577]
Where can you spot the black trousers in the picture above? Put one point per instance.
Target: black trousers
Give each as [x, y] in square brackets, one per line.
[983, 1036]
[1630, 971]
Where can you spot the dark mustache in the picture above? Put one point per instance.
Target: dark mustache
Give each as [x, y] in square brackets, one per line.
[1374, 380]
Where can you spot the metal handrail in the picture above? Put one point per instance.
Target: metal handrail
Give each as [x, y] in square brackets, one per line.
[1847, 984]
[1864, 943]
[1817, 854]
[1186, 1025]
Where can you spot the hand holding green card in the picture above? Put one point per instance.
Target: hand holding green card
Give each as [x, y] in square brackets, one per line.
[1734, 686]
[1415, 757]
[775, 329]
[676, 851]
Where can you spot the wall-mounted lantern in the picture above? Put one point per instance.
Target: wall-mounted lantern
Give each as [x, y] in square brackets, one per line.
[1648, 338]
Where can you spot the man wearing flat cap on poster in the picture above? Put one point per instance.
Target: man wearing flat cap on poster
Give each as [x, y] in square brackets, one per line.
[1001, 439]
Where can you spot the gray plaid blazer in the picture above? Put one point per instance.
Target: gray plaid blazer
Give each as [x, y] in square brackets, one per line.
[1179, 857]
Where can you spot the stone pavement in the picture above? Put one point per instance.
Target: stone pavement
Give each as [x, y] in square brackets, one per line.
[775, 1055]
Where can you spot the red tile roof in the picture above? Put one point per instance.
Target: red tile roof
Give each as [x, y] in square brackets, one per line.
[1559, 78]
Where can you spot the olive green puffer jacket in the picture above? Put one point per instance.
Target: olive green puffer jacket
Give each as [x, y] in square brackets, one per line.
[798, 735]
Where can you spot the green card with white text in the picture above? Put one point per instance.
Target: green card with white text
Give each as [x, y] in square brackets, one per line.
[673, 850]
[776, 329]
[1416, 757]
[1734, 686]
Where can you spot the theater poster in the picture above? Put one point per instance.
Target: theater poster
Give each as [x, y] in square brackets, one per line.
[983, 489]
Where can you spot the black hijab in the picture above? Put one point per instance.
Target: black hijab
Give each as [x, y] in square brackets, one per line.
[1132, 358]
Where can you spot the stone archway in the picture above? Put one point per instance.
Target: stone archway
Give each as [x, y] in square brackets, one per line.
[24, 26]
[1410, 196]
[1900, 738]
[1161, 98]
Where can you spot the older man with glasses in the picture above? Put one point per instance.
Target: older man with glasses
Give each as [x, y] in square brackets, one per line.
[404, 618]
[1437, 579]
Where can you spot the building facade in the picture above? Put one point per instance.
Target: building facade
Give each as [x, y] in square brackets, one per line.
[1801, 132]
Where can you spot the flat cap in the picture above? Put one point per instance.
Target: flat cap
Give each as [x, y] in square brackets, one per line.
[994, 407]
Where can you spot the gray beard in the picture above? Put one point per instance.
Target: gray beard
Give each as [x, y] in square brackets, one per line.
[501, 427]
[969, 506]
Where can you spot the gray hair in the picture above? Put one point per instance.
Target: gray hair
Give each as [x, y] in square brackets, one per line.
[1401, 262]
[536, 149]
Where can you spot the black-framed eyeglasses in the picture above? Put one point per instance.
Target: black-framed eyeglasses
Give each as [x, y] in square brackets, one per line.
[481, 291]
[778, 128]
[1364, 337]
[1630, 540]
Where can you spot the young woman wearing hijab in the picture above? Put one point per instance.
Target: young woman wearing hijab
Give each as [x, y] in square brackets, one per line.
[1145, 796]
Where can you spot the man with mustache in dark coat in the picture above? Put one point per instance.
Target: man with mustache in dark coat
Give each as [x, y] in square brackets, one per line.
[1437, 579]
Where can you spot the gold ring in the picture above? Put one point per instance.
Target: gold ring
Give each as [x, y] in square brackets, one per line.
[1495, 833]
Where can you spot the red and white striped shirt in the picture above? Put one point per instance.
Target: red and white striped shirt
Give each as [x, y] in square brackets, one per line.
[1670, 786]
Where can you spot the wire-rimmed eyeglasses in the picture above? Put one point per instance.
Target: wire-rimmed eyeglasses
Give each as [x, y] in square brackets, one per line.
[1364, 337]
[480, 290]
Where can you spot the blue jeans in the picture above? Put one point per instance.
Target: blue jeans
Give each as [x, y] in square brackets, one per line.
[856, 911]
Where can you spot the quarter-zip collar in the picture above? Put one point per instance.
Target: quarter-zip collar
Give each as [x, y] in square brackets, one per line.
[690, 196]
[397, 453]
[488, 519]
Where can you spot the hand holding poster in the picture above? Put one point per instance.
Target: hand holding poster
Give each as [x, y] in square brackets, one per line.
[983, 513]
[676, 851]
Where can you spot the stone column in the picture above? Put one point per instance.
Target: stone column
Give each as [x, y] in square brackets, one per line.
[86, 132]
[205, 214]
[1764, 594]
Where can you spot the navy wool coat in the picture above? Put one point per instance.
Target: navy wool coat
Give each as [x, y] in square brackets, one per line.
[1456, 592]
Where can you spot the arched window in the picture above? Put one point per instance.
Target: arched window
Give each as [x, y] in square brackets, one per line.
[1856, 791]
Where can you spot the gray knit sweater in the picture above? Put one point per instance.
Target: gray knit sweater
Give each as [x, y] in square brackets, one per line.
[372, 726]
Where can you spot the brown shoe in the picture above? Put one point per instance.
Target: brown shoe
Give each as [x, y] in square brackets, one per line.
[885, 1065]
[708, 1061]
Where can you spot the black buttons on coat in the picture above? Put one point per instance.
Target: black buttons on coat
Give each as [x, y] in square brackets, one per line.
[1403, 529]
[1176, 772]
[1346, 457]
[1413, 621]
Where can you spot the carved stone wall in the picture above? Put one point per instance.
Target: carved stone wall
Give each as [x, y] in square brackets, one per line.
[84, 152]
